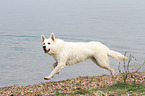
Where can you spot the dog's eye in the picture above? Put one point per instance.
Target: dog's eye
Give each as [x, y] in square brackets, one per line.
[48, 43]
[43, 43]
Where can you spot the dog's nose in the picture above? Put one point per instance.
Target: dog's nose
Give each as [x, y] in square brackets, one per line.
[44, 47]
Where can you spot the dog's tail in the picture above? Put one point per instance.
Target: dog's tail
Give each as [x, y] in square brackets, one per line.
[116, 55]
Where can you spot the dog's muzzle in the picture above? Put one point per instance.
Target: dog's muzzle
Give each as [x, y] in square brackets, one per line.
[46, 51]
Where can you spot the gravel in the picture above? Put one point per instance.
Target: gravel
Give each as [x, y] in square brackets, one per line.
[70, 85]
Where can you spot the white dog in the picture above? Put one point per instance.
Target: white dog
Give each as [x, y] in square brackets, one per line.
[69, 53]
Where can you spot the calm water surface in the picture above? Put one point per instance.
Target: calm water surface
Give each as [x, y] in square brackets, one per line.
[118, 24]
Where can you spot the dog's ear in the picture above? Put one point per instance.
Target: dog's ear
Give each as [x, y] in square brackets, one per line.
[42, 38]
[52, 36]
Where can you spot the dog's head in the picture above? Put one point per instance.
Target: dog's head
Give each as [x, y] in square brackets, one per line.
[47, 43]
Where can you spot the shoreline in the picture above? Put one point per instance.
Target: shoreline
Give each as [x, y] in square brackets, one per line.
[72, 85]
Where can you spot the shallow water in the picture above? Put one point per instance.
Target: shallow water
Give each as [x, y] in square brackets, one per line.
[118, 24]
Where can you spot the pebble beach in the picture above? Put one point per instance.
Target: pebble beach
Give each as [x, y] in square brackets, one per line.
[71, 85]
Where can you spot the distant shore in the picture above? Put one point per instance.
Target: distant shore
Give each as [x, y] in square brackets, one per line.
[71, 85]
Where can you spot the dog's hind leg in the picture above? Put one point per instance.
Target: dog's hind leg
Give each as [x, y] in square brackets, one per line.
[102, 61]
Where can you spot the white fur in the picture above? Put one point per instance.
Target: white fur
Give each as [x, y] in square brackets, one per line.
[69, 53]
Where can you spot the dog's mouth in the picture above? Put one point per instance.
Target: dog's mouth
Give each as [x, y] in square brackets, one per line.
[46, 51]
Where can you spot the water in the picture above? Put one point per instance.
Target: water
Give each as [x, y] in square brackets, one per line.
[118, 24]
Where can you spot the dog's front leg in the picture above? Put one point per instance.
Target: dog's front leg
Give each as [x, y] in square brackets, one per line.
[56, 70]
[53, 67]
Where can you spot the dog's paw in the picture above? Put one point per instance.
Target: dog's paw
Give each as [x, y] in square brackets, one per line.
[46, 78]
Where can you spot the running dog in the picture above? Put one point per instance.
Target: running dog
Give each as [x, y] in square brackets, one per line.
[69, 53]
